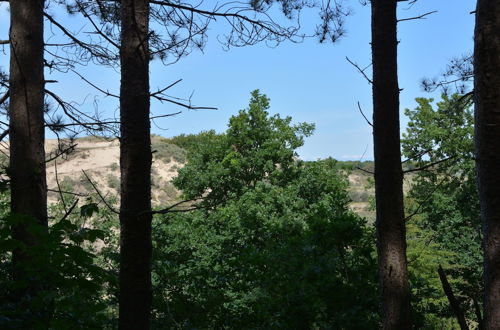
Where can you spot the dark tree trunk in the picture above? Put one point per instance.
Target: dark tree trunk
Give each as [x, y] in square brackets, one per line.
[391, 231]
[487, 137]
[454, 304]
[135, 165]
[27, 133]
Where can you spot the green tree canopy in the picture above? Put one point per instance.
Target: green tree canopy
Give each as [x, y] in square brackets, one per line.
[255, 146]
[275, 245]
[444, 199]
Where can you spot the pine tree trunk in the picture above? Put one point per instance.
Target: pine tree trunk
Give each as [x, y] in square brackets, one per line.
[391, 231]
[135, 165]
[487, 137]
[27, 133]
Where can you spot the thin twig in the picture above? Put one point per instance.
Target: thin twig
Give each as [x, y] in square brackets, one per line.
[62, 152]
[4, 134]
[362, 113]
[70, 210]
[429, 165]
[4, 97]
[105, 92]
[213, 14]
[362, 71]
[99, 31]
[187, 106]
[423, 16]
[366, 171]
[100, 195]
[64, 107]
[59, 187]
[160, 91]
[67, 192]
[170, 208]
[166, 115]
[421, 204]
[416, 156]
[454, 304]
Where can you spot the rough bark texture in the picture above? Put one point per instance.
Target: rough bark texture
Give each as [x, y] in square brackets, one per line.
[27, 134]
[487, 137]
[135, 164]
[454, 304]
[391, 231]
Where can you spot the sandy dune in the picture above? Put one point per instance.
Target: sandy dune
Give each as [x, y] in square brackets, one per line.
[100, 160]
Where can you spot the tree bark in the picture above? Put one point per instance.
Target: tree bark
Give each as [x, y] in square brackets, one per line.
[454, 304]
[487, 139]
[135, 164]
[27, 134]
[390, 223]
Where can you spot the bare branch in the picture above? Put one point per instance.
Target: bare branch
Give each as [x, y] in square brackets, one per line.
[97, 51]
[184, 105]
[366, 171]
[423, 16]
[77, 116]
[429, 165]
[98, 31]
[362, 71]
[4, 42]
[454, 304]
[100, 195]
[166, 115]
[5, 97]
[105, 92]
[226, 15]
[60, 153]
[171, 207]
[59, 187]
[361, 110]
[68, 212]
[160, 91]
[421, 204]
[4, 134]
[67, 192]
[417, 156]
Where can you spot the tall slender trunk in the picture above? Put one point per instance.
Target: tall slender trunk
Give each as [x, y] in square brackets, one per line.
[391, 231]
[487, 138]
[135, 164]
[454, 304]
[27, 133]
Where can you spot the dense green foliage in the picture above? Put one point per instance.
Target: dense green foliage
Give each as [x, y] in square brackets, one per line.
[274, 245]
[265, 240]
[190, 142]
[444, 198]
[75, 287]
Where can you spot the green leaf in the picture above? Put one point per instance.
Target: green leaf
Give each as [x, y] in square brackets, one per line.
[88, 210]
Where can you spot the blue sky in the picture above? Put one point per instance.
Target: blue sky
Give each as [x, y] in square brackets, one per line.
[309, 81]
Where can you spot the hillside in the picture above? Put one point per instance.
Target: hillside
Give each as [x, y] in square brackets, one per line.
[99, 158]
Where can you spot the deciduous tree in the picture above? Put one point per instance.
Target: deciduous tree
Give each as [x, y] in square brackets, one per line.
[273, 243]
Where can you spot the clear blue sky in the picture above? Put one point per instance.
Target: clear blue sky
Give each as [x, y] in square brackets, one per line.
[309, 81]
